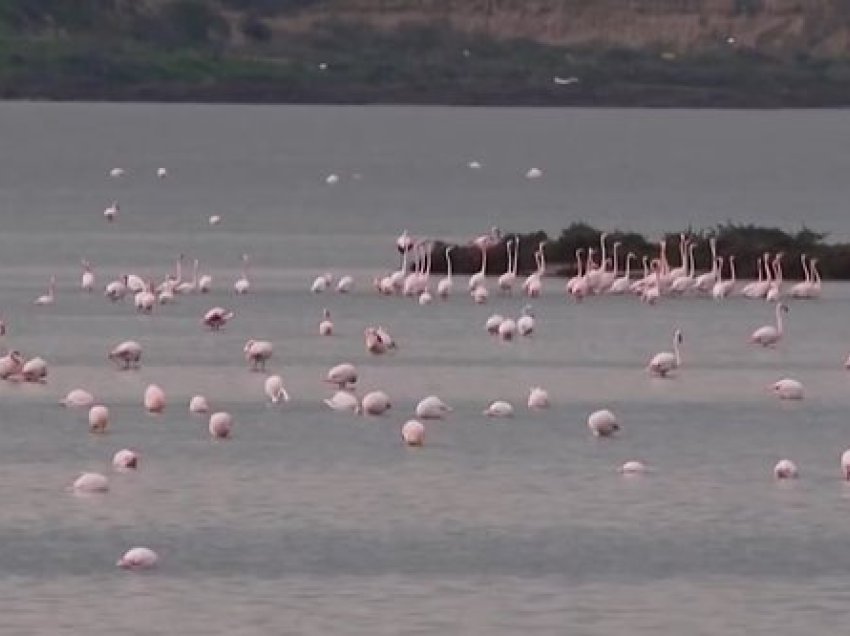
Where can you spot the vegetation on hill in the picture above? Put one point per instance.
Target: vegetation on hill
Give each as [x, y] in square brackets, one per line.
[746, 242]
[401, 51]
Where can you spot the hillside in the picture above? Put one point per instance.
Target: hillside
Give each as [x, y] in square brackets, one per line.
[751, 53]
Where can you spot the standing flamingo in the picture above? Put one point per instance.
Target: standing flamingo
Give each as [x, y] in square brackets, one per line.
[243, 284]
[768, 335]
[444, 287]
[664, 362]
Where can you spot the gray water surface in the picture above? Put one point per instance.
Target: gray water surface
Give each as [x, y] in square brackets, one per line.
[315, 522]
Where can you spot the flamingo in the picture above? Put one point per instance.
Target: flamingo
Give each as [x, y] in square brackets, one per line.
[620, 285]
[375, 403]
[705, 282]
[138, 558]
[221, 425]
[344, 401]
[77, 398]
[188, 287]
[321, 283]
[804, 288]
[499, 408]
[345, 284]
[116, 290]
[788, 389]
[342, 375]
[89, 483]
[683, 283]
[204, 283]
[724, 288]
[578, 286]
[50, 297]
[785, 469]
[538, 398]
[198, 404]
[374, 343]
[525, 323]
[762, 286]
[243, 284]
[479, 278]
[275, 390]
[774, 293]
[413, 433]
[768, 335]
[257, 352]
[845, 464]
[444, 287]
[664, 362]
[125, 460]
[11, 364]
[602, 423]
[214, 219]
[115, 173]
[129, 353]
[506, 281]
[326, 326]
[815, 287]
[87, 279]
[507, 329]
[154, 399]
[750, 290]
[633, 467]
[145, 299]
[216, 318]
[432, 408]
[404, 243]
[533, 285]
[34, 370]
[98, 418]
[493, 322]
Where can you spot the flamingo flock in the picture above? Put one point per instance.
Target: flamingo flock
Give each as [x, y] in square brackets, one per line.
[413, 279]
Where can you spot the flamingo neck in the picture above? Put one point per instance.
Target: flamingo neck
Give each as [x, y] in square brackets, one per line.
[615, 260]
[676, 350]
[779, 318]
[516, 257]
[483, 270]
[806, 273]
[448, 264]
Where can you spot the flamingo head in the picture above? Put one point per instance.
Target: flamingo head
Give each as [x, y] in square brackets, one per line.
[617, 243]
[631, 255]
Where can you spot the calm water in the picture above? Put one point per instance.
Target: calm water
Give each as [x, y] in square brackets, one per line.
[310, 521]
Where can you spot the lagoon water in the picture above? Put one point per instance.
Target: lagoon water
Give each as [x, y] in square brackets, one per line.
[314, 522]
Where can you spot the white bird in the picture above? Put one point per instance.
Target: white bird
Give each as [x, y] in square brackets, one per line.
[112, 211]
[664, 362]
[154, 399]
[98, 419]
[633, 467]
[221, 425]
[785, 469]
[413, 433]
[343, 401]
[91, 483]
[375, 403]
[78, 398]
[199, 404]
[243, 284]
[499, 408]
[50, 297]
[128, 353]
[602, 423]
[257, 352]
[788, 389]
[538, 398]
[342, 375]
[565, 81]
[125, 460]
[138, 558]
[161, 173]
[332, 179]
[116, 290]
[769, 335]
[116, 173]
[432, 408]
[474, 165]
[275, 390]
[215, 219]
[534, 173]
